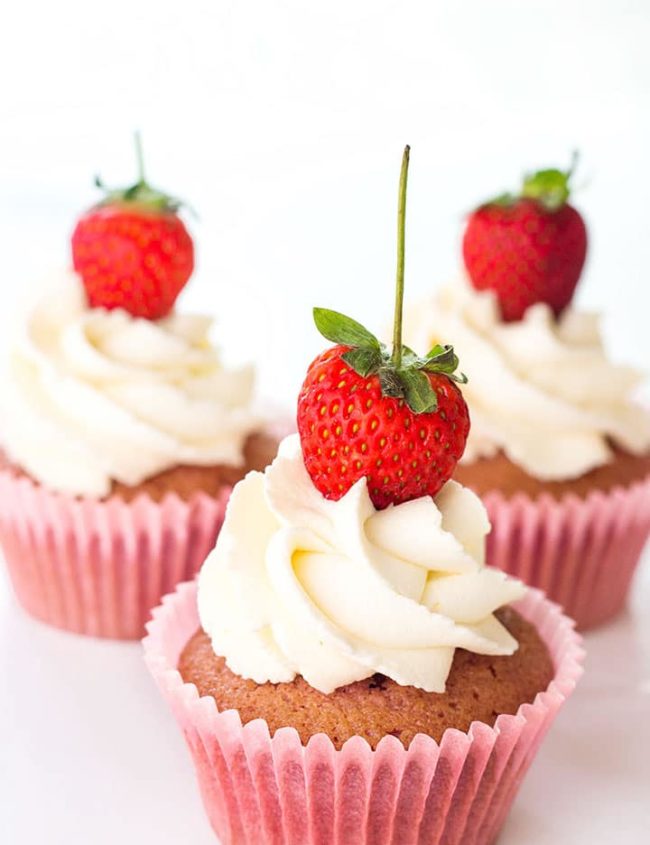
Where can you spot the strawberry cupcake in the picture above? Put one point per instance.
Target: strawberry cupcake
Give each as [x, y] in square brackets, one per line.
[122, 434]
[346, 668]
[560, 449]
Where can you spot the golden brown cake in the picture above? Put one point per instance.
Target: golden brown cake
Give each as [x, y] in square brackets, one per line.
[479, 688]
[500, 473]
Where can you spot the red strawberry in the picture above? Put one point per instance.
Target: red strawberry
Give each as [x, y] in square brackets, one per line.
[132, 251]
[528, 248]
[349, 429]
[394, 418]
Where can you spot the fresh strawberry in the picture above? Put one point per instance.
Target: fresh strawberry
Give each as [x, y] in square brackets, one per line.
[132, 251]
[349, 428]
[528, 248]
[391, 417]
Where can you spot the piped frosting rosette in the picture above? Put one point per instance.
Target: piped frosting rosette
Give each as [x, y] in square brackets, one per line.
[541, 389]
[94, 396]
[336, 591]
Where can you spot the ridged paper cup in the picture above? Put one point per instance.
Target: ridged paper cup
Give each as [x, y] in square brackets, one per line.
[582, 552]
[259, 789]
[98, 567]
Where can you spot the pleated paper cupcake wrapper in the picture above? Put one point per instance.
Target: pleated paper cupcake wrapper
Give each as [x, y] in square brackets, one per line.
[99, 567]
[259, 789]
[582, 552]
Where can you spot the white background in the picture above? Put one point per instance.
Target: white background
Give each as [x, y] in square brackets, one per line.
[282, 123]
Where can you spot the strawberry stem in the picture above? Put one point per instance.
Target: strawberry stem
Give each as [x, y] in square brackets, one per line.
[139, 156]
[396, 357]
[575, 158]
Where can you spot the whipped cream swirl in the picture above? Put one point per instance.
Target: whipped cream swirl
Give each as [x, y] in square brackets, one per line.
[94, 396]
[541, 390]
[336, 591]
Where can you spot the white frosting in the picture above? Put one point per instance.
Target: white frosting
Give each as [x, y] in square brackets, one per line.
[91, 396]
[541, 389]
[336, 591]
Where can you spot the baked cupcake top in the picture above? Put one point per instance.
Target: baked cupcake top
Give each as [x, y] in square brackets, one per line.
[105, 381]
[353, 553]
[542, 390]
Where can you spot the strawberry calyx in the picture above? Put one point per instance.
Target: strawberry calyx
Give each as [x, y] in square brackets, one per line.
[401, 372]
[368, 356]
[549, 188]
[141, 195]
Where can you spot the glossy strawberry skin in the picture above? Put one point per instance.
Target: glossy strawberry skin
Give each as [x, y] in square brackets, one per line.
[134, 259]
[349, 430]
[526, 254]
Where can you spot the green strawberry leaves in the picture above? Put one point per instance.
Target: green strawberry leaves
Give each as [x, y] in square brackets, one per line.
[140, 194]
[442, 359]
[368, 356]
[363, 360]
[550, 188]
[418, 393]
[341, 329]
[391, 382]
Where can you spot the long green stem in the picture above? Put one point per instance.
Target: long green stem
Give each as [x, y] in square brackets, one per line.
[139, 155]
[396, 357]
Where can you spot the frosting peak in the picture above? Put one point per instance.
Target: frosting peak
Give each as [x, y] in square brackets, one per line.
[336, 591]
[94, 396]
[542, 389]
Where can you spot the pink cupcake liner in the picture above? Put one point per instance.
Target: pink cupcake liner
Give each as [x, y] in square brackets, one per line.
[581, 551]
[98, 567]
[260, 789]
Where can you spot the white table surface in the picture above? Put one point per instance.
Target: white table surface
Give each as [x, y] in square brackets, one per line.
[90, 754]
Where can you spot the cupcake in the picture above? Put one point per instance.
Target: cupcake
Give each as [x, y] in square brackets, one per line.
[121, 432]
[346, 668]
[559, 449]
